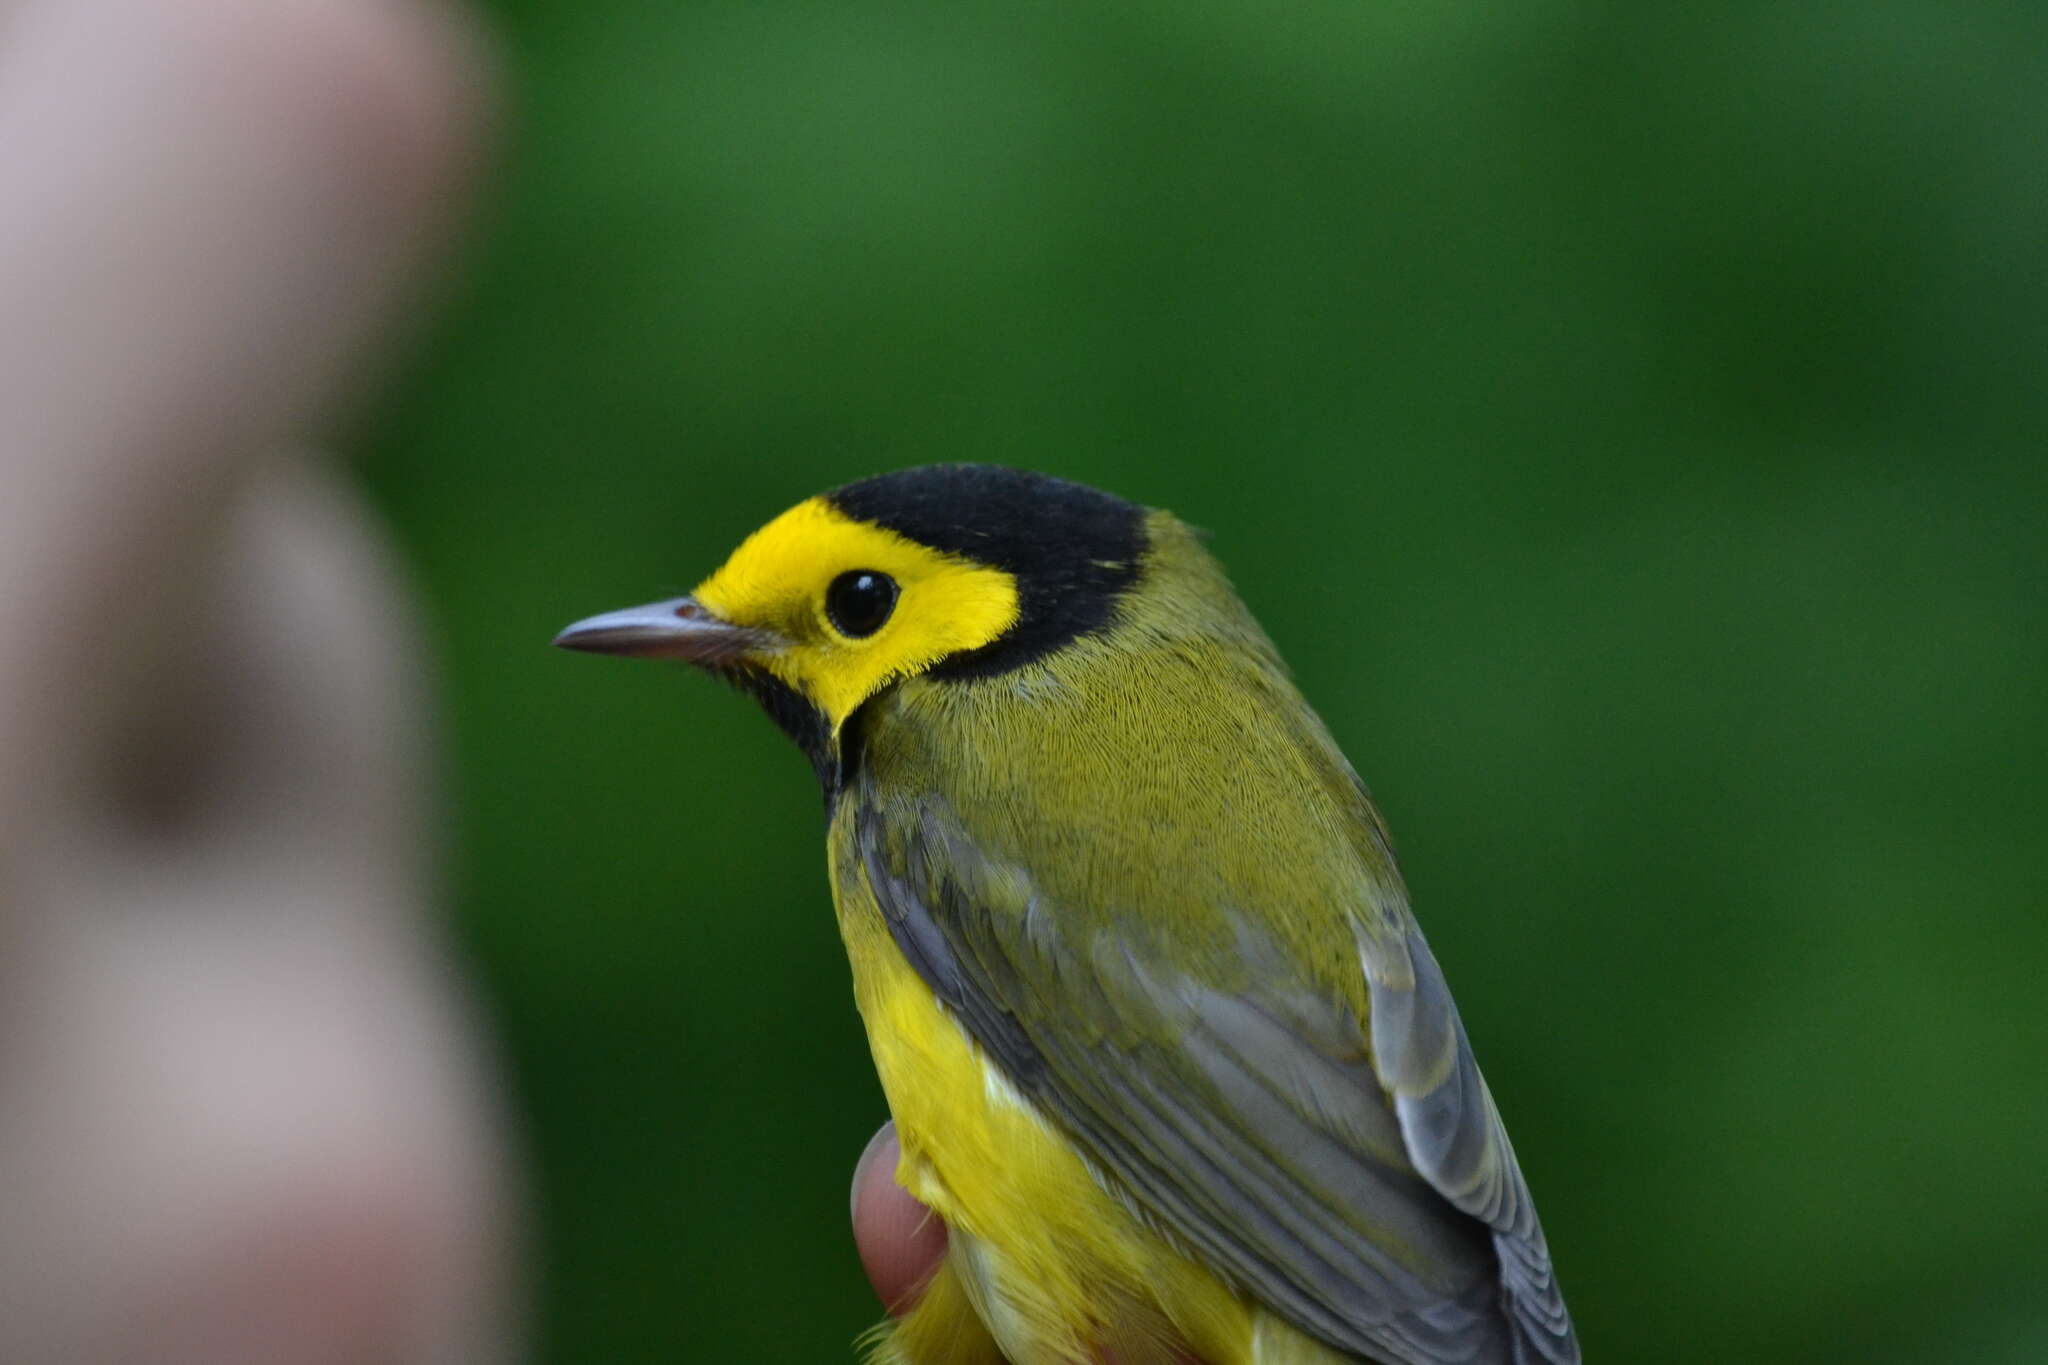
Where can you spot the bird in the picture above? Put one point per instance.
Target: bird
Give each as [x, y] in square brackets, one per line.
[1162, 1042]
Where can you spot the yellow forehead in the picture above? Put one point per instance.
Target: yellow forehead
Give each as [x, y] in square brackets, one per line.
[777, 580]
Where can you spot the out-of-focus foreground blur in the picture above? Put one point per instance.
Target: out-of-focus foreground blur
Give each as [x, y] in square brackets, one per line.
[1630, 424]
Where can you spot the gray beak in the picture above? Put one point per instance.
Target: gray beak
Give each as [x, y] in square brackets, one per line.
[676, 629]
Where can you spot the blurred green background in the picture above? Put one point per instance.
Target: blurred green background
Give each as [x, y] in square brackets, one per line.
[1630, 421]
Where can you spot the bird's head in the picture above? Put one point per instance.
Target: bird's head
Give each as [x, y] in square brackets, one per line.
[954, 571]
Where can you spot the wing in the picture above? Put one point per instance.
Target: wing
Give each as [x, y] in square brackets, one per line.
[1454, 1137]
[1369, 1196]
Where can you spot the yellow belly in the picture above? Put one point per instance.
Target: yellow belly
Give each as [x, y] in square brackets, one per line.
[1045, 1266]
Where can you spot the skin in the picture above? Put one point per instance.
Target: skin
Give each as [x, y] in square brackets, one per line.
[900, 1240]
[901, 1243]
[335, 1195]
[242, 1120]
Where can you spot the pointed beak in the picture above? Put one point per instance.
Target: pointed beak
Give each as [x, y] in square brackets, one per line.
[680, 628]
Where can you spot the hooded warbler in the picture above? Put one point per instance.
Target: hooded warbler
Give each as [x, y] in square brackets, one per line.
[1163, 1043]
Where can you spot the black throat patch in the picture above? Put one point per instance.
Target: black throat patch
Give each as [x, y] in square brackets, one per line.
[1073, 550]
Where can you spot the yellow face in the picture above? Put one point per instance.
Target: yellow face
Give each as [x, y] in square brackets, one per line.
[854, 607]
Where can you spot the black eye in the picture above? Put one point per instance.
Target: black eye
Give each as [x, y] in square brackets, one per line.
[859, 601]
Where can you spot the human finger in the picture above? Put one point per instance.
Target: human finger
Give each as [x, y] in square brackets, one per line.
[286, 729]
[205, 208]
[901, 1242]
[246, 1125]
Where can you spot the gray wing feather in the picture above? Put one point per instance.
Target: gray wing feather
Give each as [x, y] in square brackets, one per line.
[1359, 1203]
[1455, 1137]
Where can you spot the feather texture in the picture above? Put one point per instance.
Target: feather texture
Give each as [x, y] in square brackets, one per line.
[1198, 963]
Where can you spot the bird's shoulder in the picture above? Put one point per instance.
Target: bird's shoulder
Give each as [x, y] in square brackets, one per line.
[1163, 787]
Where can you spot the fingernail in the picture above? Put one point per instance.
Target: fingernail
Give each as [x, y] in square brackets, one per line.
[885, 1134]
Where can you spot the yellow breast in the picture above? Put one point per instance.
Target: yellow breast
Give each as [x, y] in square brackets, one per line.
[1054, 1267]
